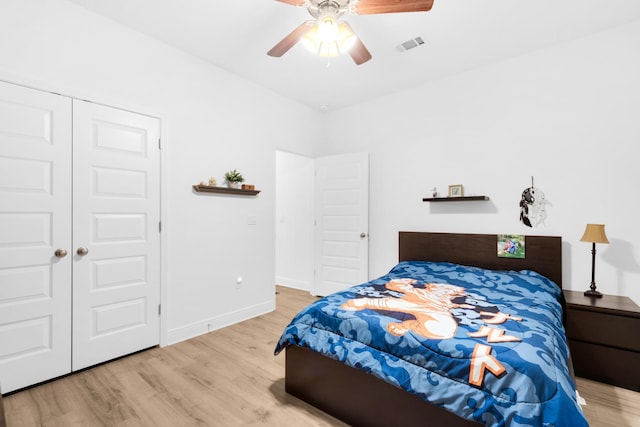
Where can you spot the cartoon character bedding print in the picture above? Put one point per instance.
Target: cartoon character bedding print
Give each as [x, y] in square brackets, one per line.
[431, 307]
[488, 346]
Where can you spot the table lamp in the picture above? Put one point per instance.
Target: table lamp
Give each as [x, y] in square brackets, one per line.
[594, 233]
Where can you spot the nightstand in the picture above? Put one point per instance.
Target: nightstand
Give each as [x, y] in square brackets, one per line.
[604, 338]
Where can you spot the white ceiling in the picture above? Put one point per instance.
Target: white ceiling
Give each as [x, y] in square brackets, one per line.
[460, 34]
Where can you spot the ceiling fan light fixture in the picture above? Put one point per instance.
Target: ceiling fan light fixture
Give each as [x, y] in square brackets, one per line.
[346, 39]
[315, 45]
[327, 29]
[329, 42]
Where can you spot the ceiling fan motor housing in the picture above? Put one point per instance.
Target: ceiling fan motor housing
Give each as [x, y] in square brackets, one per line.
[334, 8]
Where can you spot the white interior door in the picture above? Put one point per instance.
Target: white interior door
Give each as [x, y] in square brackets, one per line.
[342, 222]
[35, 221]
[116, 241]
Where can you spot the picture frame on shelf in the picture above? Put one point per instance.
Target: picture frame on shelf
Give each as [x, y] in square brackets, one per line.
[456, 190]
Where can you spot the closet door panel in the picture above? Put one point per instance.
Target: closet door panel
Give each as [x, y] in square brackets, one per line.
[116, 284]
[35, 221]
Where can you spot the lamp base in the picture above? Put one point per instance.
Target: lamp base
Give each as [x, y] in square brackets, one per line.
[592, 293]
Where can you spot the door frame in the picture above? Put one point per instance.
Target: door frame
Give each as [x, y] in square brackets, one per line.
[309, 283]
[147, 110]
[299, 222]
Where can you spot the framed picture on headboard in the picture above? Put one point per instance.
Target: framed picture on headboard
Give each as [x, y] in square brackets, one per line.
[511, 245]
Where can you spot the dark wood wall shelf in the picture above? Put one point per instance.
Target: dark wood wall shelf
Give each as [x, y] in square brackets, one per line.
[224, 190]
[455, 199]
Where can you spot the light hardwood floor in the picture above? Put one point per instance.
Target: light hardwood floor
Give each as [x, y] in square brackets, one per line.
[225, 378]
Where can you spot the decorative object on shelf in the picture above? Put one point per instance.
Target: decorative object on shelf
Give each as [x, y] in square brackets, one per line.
[456, 190]
[434, 192]
[532, 210]
[212, 182]
[248, 187]
[233, 178]
[594, 233]
[225, 190]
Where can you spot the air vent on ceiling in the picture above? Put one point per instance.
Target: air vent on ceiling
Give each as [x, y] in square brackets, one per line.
[410, 44]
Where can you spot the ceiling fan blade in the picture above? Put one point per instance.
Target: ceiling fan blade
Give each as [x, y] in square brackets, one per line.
[292, 2]
[359, 53]
[372, 7]
[291, 39]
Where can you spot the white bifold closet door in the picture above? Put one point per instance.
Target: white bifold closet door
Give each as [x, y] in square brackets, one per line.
[79, 237]
[116, 218]
[35, 221]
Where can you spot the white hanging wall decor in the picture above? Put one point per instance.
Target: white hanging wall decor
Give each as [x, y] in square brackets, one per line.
[532, 206]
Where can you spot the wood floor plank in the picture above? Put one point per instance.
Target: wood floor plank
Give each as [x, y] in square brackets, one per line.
[227, 377]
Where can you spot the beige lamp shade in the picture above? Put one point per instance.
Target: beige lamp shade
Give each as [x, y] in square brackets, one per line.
[594, 233]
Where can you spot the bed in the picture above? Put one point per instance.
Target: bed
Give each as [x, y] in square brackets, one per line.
[453, 335]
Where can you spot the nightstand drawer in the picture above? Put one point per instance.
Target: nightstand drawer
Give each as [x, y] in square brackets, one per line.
[607, 329]
[605, 364]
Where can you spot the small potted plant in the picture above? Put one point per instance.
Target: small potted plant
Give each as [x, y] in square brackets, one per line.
[233, 178]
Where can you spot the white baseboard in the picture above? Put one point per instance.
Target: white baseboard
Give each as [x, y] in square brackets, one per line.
[192, 330]
[302, 285]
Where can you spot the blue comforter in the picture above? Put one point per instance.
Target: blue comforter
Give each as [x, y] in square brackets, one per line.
[486, 345]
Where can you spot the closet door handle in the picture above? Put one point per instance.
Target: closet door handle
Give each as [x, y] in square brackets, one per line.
[82, 251]
[60, 253]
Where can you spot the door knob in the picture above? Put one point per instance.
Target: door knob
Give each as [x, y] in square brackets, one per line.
[363, 235]
[60, 253]
[82, 251]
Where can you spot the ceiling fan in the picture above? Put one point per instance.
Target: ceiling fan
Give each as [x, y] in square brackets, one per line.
[328, 36]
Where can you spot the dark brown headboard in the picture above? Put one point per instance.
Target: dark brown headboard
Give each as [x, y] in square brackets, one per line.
[543, 253]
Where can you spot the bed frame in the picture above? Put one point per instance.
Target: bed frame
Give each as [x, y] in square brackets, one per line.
[361, 399]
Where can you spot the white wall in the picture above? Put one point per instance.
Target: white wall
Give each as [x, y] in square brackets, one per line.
[567, 116]
[58, 46]
[294, 220]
